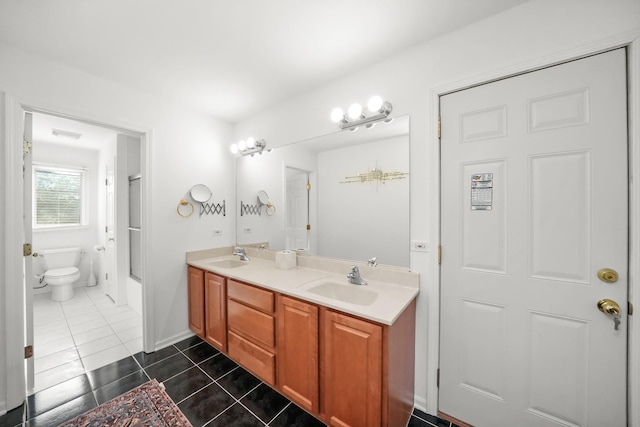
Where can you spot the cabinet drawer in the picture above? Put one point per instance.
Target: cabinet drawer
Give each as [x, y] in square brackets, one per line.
[253, 324]
[250, 295]
[259, 361]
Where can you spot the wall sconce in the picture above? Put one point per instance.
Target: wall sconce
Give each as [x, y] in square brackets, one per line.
[249, 147]
[355, 116]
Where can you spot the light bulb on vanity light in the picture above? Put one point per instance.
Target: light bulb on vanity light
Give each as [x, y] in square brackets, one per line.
[234, 148]
[375, 104]
[242, 145]
[337, 115]
[251, 142]
[355, 111]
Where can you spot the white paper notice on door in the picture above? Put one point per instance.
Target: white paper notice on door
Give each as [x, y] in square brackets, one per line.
[482, 192]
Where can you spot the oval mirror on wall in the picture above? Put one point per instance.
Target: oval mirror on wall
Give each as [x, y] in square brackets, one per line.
[263, 197]
[200, 193]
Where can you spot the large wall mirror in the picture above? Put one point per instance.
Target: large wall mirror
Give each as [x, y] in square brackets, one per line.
[343, 195]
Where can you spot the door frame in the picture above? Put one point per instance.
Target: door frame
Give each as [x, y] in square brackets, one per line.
[15, 300]
[631, 42]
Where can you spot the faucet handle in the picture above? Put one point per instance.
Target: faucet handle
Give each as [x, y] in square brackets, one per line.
[354, 269]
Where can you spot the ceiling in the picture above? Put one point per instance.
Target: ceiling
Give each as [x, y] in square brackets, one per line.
[230, 59]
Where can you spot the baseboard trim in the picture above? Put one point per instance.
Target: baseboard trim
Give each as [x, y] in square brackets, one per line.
[420, 403]
[173, 339]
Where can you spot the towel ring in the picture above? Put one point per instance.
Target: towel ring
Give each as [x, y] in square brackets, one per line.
[270, 209]
[184, 202]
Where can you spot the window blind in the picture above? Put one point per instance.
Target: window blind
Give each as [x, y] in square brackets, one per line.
[59, 196]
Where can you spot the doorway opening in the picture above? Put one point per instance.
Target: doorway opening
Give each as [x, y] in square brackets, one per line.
[101, 319]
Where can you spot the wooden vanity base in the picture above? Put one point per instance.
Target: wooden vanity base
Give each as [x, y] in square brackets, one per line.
[342, 369]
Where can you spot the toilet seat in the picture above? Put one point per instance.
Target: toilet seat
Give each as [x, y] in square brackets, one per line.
[62, 277]
[61, 273]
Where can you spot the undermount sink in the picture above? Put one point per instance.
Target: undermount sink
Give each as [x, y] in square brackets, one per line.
[228, 263]
[353, 294]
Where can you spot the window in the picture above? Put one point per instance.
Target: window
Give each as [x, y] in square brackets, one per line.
[59, 197]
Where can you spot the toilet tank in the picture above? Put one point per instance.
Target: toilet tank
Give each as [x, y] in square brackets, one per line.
[59, 258]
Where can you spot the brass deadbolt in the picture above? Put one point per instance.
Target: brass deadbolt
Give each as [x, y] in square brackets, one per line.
[608, 275]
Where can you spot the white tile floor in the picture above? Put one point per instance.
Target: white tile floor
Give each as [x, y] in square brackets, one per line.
[80, 335]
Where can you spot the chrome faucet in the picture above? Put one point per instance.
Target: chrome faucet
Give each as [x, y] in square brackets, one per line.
[241, 252]
[354, 276]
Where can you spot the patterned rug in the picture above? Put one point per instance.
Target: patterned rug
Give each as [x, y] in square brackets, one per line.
[145, 405]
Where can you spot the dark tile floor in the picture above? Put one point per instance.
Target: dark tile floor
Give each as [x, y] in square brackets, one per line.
[208, 387]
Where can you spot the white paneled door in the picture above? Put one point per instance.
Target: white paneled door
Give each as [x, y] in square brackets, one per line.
[111, 276]
[297, 214]
[534, 206]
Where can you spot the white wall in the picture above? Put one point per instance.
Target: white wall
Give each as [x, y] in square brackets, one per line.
[85, 237]
[535, 32]
[185, 148]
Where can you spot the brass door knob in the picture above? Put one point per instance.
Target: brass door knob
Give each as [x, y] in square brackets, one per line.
[609, 306]
[608, 275]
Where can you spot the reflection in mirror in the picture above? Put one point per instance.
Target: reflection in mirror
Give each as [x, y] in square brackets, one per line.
[343, 195]
[263, 201]
[200, 193]
[263, 197]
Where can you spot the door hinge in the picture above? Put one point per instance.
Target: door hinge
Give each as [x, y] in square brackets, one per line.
[438, 378]
[106, 276]
[26, 147]
[308, 226]
[439, 254]
[629, 308]
[439, 128]
[28, 351]
[308, 187]
[26, 249]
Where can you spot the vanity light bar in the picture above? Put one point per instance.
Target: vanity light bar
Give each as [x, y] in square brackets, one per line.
[250, 147]
[356, 116]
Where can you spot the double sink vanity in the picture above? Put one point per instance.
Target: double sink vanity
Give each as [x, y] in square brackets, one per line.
[343, 352]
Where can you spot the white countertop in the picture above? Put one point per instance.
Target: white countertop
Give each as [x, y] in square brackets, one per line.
[390, 298]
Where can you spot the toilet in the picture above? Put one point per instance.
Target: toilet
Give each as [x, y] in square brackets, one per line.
[61, 271]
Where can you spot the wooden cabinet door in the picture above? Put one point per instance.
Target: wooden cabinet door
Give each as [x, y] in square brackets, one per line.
[195, 281]
[298, 352]
[215, 310]
[352, 371]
